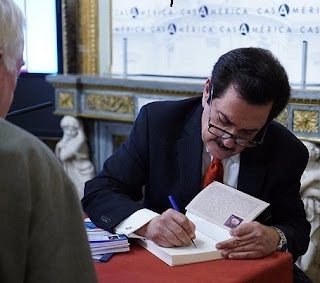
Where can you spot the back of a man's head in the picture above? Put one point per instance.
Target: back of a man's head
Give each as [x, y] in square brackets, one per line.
[11, 33]
[257, 75]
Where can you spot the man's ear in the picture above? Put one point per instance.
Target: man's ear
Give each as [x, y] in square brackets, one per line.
[206, 92]
[1, 53]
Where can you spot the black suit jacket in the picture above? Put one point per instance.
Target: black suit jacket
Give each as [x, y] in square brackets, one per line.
[163, 155]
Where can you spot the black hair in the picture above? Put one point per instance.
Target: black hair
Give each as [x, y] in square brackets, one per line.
[256, 74]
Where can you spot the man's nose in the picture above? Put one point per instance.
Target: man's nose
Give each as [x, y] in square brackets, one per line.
[229, 142]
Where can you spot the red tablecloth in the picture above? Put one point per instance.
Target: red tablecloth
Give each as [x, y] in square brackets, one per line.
[139, 265]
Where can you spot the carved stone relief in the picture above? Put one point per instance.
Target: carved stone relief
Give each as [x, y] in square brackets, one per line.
[305, 121]
[66, 100]
[112, 103]
[310, 193]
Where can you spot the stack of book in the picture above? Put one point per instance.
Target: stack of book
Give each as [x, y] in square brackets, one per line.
[103, 243]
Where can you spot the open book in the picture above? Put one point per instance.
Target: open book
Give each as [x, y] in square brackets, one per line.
[215, 211]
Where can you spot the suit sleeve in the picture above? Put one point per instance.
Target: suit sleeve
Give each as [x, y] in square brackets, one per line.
[286, 161]
[288, 208]
[114, 193]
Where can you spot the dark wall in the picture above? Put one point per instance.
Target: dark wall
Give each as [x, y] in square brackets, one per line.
[33, 89]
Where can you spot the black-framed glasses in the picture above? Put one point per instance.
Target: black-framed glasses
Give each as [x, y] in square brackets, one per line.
[222, 134]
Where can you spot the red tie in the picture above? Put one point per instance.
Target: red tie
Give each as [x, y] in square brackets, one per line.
[214, 172]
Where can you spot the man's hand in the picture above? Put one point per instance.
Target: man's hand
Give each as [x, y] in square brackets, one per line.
[169, 229]
[250, 240]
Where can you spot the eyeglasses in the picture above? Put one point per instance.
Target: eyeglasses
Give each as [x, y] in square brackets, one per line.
[222, 134]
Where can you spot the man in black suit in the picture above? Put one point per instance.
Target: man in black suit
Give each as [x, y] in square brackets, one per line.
[172, 143]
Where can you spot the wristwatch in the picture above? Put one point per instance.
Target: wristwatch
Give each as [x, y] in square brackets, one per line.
[282, 245]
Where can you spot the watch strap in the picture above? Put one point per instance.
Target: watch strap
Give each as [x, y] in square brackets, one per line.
[283, 244]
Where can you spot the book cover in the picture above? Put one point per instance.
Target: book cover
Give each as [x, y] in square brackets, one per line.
[204, 251]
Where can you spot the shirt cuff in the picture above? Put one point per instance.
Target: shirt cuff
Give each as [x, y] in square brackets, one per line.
[135, 221]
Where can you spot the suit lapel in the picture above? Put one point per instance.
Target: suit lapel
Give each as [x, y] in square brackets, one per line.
[189, 147]
[252, 171]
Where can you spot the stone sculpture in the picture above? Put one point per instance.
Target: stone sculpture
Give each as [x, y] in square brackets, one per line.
[72, 151]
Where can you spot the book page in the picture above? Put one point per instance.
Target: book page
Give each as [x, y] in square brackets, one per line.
[225, 206]
[210, 229]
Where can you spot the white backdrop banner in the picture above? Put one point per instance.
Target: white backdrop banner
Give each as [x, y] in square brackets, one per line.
[188, 38]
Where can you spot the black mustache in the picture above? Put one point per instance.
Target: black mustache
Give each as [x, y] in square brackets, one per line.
[29, 109]
[221, 145]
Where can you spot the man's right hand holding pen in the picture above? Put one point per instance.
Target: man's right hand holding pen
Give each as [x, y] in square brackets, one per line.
[169, 229]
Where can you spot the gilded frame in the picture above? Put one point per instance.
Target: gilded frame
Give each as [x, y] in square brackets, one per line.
[80, 36]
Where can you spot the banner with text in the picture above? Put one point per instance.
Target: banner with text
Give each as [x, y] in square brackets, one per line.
[188, 38]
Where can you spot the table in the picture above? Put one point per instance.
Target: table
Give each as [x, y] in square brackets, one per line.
[141, 266]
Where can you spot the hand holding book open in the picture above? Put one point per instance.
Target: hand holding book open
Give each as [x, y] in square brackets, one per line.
[247, 243]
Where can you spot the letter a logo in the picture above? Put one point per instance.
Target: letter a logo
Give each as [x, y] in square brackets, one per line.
[244, 29]
[134, 12]
[284, 10]
[172, 28]
[203, 11]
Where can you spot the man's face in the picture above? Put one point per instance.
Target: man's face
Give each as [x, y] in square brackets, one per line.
[234, 115]
[235, 222]
[8, 82]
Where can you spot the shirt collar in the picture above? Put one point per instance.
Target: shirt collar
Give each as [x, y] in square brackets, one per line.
[234, 158]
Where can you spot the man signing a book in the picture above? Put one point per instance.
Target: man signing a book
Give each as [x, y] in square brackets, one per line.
[172, 144]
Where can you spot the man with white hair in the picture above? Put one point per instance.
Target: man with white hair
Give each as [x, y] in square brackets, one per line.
[43, 238]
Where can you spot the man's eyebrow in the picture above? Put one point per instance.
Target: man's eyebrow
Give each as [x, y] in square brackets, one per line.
[233, 124]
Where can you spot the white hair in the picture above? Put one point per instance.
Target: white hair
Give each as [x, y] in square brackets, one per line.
[11, 33]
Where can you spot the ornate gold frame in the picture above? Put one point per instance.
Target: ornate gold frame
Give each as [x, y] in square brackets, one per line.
[80, 36]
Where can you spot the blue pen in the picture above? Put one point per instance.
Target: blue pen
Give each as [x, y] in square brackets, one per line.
[175, 207]
[173, 203]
